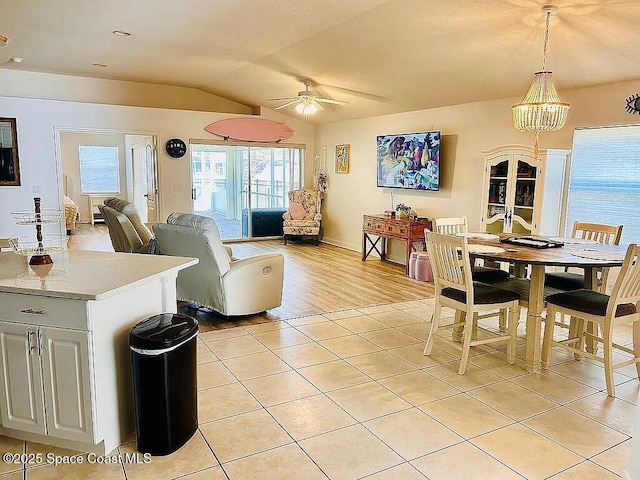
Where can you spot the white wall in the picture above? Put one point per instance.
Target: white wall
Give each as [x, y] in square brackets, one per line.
[16, 83]
[467, 130]
[38, 119]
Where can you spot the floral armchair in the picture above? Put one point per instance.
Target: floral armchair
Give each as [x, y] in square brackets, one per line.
[303, 217]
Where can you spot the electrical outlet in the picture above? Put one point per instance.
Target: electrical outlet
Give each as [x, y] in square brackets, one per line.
[36, 189]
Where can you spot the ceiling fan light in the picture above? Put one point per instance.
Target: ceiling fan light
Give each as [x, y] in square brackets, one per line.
[307, 107]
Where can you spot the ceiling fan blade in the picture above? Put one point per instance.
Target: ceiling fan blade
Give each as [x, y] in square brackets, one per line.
[287, 104]
[329, 100]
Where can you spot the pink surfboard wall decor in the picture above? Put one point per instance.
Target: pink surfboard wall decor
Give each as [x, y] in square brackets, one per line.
[250, 129]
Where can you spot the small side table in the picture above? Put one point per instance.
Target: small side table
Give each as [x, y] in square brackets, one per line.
[384, 228]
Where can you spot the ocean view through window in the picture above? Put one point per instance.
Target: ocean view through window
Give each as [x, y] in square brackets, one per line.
[99, 169]
[604, 185]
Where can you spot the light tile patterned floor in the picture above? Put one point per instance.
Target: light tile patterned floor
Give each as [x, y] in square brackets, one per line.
[349, 395]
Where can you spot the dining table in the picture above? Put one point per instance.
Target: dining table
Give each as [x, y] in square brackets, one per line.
[577, 253]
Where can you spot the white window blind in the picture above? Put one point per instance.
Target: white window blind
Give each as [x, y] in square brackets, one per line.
[99, 169]
[604, 185]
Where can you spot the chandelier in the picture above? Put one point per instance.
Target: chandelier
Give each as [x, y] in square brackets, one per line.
[541, 109]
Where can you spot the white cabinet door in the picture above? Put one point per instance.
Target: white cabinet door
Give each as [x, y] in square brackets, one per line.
[512, 189]
[21, 401]
[495, 193]
[67, 391]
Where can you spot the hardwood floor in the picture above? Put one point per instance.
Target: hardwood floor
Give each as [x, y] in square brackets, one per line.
[317, 279]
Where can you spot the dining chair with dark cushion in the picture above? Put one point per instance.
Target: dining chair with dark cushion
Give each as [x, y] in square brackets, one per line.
[596, 232]
[588, 306]
[455, 225]
[455, 288]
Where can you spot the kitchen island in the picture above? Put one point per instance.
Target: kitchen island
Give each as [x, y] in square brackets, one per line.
[65, 366]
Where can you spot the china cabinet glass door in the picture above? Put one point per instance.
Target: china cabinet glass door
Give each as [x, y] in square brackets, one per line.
[512, 190]
[522, 219]
[496, 206]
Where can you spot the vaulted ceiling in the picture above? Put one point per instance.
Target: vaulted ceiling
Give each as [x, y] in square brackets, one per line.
[381, 56]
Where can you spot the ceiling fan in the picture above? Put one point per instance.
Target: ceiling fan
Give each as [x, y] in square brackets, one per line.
[307, 101]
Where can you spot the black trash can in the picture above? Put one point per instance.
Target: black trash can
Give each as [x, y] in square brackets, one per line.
[163, 356]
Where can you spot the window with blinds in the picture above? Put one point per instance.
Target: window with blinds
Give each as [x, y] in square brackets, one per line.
[99, 169]
[604, 185]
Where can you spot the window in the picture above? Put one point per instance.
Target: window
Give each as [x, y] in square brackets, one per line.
[604, 186]
[99, 169]
[241, 179]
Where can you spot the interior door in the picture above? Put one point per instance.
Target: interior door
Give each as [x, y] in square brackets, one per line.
[152, 182]
[145, 179]
[140, 179]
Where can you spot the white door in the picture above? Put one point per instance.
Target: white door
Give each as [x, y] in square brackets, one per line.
[152, 181]
[145, 178]
[65, 366]
[21, 403]
[139, 160]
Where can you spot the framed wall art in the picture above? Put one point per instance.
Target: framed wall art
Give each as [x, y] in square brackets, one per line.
[342, 158]
[9, 162]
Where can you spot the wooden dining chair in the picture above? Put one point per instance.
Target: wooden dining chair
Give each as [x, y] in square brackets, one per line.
[597, 232]
[455, 225]
[603, 310]
[454, 288]
[450, 225]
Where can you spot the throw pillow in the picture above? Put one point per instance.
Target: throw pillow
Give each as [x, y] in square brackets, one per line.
[297, 211]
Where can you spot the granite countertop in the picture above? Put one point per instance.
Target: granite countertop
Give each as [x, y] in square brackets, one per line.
[84, 274]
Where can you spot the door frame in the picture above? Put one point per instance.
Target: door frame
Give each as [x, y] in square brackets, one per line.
[229, 143]
[97, 131]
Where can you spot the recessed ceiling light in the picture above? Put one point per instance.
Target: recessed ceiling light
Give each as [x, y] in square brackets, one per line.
[17, 59]
[101, 65]
[3, 40]
[121, 33]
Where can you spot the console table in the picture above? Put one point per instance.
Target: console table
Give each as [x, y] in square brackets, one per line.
[385, 227]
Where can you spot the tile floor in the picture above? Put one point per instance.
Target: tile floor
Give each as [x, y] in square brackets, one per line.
[348, 395]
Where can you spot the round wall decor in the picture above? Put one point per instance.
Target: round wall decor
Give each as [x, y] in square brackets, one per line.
[633, 104]
[176, 148]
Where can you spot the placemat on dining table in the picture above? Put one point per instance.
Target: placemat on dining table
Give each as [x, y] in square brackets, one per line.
[478, 248]
[599, 255]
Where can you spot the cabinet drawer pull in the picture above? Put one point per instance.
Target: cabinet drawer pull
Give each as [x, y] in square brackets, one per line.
[33, 312]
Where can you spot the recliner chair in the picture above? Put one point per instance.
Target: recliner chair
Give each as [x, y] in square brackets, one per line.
[124, 237]
[229, 286]
[128, 233]
[129, 209]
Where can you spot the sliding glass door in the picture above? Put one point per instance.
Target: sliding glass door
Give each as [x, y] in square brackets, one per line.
[244, 187]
